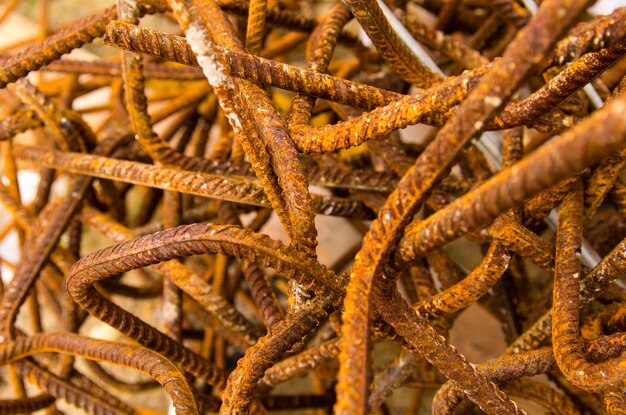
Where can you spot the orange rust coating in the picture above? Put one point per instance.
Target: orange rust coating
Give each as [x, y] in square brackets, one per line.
[280, 115]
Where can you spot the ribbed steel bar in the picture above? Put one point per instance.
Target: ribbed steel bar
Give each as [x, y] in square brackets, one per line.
[271, 208]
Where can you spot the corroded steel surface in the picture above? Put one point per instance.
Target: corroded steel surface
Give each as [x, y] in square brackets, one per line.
[259, 109]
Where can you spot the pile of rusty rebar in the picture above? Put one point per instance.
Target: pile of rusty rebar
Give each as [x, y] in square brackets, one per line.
[257, 111]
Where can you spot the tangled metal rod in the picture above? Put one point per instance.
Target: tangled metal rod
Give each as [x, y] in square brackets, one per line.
[217, 151]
